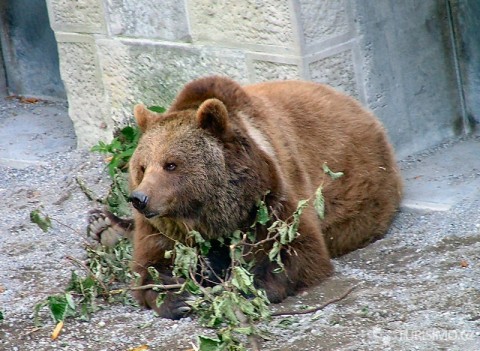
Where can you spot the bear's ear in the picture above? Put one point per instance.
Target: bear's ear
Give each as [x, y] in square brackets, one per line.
[212, 115]
[144, 116]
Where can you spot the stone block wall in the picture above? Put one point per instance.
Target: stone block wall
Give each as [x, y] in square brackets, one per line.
[115, 53]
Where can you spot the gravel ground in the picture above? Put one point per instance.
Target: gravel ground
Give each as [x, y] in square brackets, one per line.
[416, 289]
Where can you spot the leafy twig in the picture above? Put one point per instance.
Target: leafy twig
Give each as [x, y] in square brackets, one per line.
[90, 273]
[43, 221]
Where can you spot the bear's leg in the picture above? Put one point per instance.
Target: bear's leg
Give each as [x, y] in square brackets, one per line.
[306, 262]
[370, 223]
[149, 251]
[108, 229]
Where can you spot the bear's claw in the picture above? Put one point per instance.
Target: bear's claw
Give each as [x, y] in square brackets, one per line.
[175, 306]
[105, 228]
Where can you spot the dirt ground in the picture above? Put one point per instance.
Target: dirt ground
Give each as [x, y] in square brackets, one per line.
[416, 289]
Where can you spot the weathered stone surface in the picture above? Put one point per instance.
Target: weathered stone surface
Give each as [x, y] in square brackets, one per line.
[166, 19]
[83, 83]
[395, 56]
[337, 71]
[152, 72]
[267, 70]
[82, 16]
[241, 22]
[323, 19]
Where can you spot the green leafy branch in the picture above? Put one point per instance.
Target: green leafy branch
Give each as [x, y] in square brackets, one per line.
[119, 151]
[105, 274]
[234, 305]
[230, 304]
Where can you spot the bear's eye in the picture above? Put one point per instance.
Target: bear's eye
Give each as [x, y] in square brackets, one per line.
[170, 166]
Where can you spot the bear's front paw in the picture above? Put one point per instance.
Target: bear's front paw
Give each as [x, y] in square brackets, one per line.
[206, 272]
[174, 306]
[277, 290]
[106, 228]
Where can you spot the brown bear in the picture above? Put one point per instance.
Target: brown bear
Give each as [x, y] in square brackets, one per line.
[207, 161]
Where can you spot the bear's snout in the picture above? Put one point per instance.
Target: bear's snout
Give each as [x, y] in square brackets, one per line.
[139, 200]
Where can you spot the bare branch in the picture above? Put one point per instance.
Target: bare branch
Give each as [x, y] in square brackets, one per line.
[156, 286]
[88, 192]
[71, 228]
[315, 309]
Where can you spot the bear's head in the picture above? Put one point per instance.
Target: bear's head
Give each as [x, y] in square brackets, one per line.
[197, 166]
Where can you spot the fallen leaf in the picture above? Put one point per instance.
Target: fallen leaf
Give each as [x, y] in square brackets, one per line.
[39, 219]
[29, 100]
[464, 263]
[57, 330]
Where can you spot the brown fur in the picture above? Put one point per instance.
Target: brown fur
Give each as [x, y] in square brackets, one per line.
[231, 145]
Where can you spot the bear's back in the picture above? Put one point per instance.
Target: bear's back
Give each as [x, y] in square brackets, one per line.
[300, 126]
[309, 125]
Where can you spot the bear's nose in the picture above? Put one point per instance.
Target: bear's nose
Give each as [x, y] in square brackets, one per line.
[139, 200]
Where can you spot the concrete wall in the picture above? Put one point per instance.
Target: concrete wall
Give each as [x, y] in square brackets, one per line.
[29, 50]
[395, 56]
[3, 78]
[409, 71]
[466, 21]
